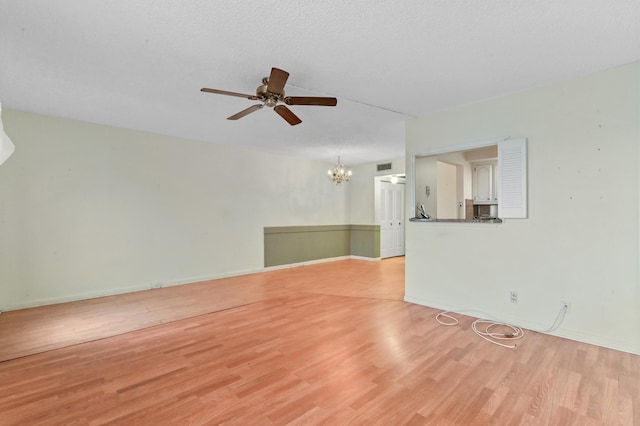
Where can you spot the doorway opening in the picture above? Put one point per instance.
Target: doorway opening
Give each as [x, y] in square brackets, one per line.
[389, 214]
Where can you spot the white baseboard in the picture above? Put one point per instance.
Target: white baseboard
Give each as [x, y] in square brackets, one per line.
[315, 262]
[123, 290]
[306, 263]
[566, 333]
[370, 259]
[155, 285]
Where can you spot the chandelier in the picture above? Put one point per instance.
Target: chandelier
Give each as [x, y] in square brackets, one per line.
[338, 174]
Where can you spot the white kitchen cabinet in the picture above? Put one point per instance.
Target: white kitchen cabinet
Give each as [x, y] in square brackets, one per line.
[485, 185]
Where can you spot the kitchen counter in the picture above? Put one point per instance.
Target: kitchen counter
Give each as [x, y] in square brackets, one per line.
[418, 219]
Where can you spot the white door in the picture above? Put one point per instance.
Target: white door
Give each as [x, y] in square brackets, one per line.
[391, 214]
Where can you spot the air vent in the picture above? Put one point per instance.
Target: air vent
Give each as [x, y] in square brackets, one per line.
[386, 166]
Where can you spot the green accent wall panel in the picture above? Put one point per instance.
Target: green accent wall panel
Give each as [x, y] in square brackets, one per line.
[285, 245]
[365, 241]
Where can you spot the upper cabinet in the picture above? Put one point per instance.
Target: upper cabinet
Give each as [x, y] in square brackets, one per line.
[485, 182]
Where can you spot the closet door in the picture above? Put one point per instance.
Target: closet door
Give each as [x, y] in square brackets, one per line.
[391, 213]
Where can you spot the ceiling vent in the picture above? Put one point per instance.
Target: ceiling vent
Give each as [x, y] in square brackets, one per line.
[382, 167]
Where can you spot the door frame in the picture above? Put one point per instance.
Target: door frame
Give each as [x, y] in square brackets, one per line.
[376, 198]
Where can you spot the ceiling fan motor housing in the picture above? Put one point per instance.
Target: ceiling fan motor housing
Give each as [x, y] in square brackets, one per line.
[270, 99]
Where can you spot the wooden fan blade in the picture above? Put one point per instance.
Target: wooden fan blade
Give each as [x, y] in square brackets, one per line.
[286, 113]
[244, 112]
[310, 100]
[224, 92]
[277, 80]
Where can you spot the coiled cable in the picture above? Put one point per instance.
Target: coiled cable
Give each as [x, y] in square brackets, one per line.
[486, 328]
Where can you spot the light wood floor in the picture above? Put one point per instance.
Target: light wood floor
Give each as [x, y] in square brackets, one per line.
[30, 331]
[306, 346]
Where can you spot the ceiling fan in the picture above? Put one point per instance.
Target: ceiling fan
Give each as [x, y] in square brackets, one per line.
[271, 94]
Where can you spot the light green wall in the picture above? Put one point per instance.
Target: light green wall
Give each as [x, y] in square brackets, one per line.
[88, 210]
[296, 244]
[581, 240]
[289, 245]
[365, 241]
[362, 189]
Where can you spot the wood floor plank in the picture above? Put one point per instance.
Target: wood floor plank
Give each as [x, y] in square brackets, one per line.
[299, 354]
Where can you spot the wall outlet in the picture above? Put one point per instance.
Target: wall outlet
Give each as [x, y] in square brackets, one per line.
[564, 303]
[514, 296]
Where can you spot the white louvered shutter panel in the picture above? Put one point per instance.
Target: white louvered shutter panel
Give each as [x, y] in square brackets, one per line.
[512, 179]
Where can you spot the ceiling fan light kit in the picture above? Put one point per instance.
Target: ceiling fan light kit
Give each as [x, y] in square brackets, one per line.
[271, 94]
[339, 174]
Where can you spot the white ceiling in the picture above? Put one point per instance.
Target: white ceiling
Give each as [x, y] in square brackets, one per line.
[140, 64]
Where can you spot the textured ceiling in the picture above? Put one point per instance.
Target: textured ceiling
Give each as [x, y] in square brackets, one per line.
[140, 64]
